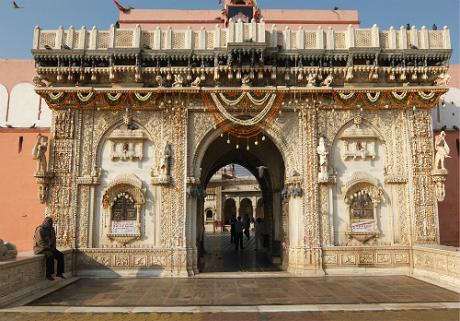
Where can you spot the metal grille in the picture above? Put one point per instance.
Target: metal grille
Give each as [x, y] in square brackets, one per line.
[340, 40]
[124, 39]
[103, 39]
[209, 40]
[223, 38]
[47, 38]
[280, 36]
[293, 40]
[435, 39]
[76, 40]
[163, 39]
[363, 38]
[246, 32]
[310, 40]
[148, 39]
[384, 40]
[178, 40]
[196, 40]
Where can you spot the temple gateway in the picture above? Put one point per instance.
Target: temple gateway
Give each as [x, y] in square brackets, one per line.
[333, 122]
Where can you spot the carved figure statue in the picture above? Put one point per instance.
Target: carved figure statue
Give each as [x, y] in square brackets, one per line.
[39, 153]
[165, 164]
[178, 80]
[7, 251]
[442, 151]
[328, 81]
[159, 80]
[322, 152]
[440, 191]
[245, 81]
[196, 82]
[442, 80]
[349, 73]
[39, 81]
[311, 80]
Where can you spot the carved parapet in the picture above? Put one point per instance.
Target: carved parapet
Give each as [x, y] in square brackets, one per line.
[439, 177]
[43, 181]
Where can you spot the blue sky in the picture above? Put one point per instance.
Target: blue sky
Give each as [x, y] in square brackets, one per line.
[16, 25]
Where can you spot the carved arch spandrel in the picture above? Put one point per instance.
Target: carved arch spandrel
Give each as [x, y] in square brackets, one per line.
[273, 132]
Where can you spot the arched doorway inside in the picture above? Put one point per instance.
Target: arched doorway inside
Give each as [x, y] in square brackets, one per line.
[229, 210]
[264, 161]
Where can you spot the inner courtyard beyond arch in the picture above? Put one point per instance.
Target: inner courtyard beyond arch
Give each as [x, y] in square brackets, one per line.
[265, 162]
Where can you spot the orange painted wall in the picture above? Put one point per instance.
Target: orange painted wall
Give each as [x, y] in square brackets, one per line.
[20, 209]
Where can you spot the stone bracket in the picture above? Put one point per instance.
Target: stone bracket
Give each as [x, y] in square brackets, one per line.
[439, 177]
[43, 181]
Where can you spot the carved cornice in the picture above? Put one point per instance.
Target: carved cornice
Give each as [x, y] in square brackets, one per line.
[159, 98]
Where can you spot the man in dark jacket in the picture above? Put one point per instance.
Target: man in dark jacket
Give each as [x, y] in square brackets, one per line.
[239, 233]
[45, 243]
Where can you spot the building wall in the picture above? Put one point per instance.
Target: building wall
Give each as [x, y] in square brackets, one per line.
[447, 118]
[21, 210]
[20, 108]
[196, 19]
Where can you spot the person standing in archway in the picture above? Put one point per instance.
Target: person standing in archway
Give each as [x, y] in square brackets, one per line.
[247, 226]
[260, 231]
[232, 229]
[238, 233]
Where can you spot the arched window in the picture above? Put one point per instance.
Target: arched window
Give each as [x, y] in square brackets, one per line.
[361, 205]
[363, 200]
[123, 208]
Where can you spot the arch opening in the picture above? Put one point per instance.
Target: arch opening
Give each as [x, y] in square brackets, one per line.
[246, 183]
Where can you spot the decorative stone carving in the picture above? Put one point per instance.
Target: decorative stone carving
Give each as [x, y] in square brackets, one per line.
[323, 175]
[358, 142]
[439, 172]
[178, 80]
[128, 141]
[159, 80]
[196, 82]
[39, 153]
[245, 81]
[442, 79]
[311, 80]
[327, 82]
[442, 152]
[42, 175]
[122, 202]
[7, 251]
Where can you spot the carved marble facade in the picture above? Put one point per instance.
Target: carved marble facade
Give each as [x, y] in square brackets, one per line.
[348, 164]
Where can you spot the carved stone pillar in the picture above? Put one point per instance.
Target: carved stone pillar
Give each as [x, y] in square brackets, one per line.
[194, 192]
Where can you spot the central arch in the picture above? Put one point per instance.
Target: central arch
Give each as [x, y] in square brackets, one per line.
[217, 152]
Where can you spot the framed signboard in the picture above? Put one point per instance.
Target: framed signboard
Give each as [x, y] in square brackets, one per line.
[124, 227]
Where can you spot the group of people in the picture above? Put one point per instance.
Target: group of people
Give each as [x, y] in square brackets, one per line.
[239, 226]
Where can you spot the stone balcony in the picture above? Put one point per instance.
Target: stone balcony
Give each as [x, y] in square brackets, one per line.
[254, 34]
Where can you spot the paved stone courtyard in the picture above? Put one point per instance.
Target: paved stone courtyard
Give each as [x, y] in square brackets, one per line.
[406, 315]
[221, 255]
[246, 291]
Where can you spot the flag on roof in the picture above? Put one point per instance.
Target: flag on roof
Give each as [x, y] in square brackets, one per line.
[120, 7]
